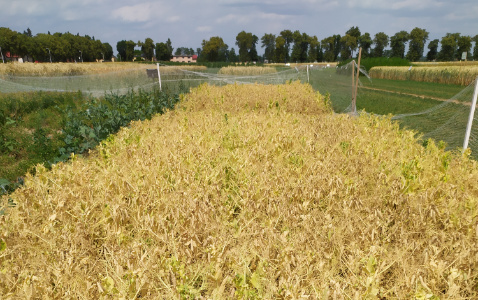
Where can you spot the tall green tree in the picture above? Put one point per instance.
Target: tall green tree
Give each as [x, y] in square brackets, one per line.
[95, 50]
[398, 43]
[354, 32]
[162, 52]
[328, 46]
[42, 42]
[381, 42]
[108, 51]
[59, 46]
[76, 45]
[268, 42]
[232, 56]
[288, 36]
[464, 44]
[301, 46]
[418, 38]
[433, 50]
[337, 46]
[365, 42]
[213, 49]
[170, 48]
[349, 44]
[65, 51]
[449, 46]
[130, 50]
[147, 48]
[28, 32]
[8, 40]
[121, 48]
[314, 52]
[253, 52]
[280, 50]
[24, 44]
[184, 51]
[475, 49]
[246, 42]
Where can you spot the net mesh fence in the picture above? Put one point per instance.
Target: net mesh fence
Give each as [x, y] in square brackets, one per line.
[120, 82]
[445, 121]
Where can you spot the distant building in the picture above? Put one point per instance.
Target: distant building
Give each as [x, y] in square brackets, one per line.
[12, 57]
[185, 58]
[16, 58]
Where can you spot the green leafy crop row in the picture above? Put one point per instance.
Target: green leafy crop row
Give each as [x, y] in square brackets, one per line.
[45, 128]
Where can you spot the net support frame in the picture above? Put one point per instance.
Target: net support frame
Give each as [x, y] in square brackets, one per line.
[471, 116]
[159, 76]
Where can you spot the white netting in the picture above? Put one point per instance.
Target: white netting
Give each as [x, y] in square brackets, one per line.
[94, 84]
[338, 83]
[120, 82]
[446, 121]
[270, 78]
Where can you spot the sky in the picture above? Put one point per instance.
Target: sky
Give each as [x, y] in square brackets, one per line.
[188, 22]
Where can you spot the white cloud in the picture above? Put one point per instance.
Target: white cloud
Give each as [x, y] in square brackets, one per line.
[135, 13]
[173, 19]
[234, 18]
[417, 5]
[391, 5]
[466, 12]
[254, 17]
[204, 29]
[26, 8]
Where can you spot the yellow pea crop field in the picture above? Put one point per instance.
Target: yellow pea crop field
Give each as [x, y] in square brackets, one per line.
[247, 192]
[246, 71]
[67, 69]
[459, 75]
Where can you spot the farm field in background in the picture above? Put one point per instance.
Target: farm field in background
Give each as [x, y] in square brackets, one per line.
[247, 70]
[375, 95]
[95, 79]
[458, 75]
[383, 96]
[249, 192]
[69, 69]
[433, 110]
[426, 89]
[24, 134]
[446, 63]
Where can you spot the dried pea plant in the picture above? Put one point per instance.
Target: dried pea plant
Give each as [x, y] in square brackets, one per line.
[247, 192]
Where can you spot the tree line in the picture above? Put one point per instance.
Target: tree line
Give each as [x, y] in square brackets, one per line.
[294, 46]
[59, 47]
[287, 46]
